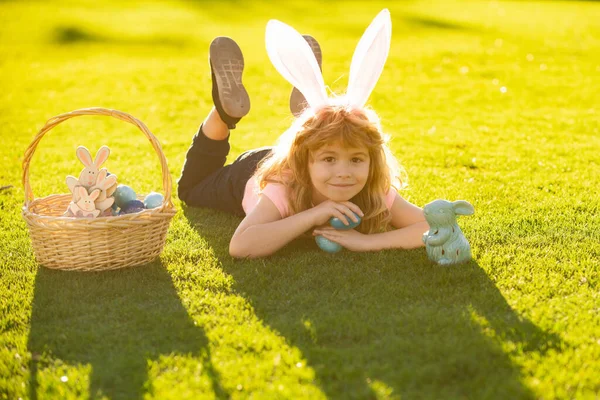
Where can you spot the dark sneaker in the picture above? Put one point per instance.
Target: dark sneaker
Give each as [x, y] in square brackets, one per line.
[229, 95]
[297, 101]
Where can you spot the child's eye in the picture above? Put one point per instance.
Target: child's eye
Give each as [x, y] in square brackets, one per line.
[329, 159]
[357, 160]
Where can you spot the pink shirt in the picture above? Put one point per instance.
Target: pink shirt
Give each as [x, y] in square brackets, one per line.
[276, 192]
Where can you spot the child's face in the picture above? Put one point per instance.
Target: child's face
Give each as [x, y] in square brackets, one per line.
[338, 173]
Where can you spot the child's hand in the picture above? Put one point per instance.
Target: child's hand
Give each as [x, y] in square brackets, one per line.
[344, 211]
[350, 239]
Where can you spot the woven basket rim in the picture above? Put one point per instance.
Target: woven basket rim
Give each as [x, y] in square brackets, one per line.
[26, 210]
[70, 243]
[95, 111]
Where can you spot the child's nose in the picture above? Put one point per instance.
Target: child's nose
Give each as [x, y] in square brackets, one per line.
[343, 172]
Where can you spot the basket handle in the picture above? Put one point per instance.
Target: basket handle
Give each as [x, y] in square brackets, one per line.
[52, 122]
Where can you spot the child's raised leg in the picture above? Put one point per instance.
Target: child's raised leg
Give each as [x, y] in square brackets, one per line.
[205, 180]
[214, 127]
[226, 66]
[210, 146]
[205, 157]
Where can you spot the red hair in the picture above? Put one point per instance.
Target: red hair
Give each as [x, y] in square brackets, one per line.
[288, 163]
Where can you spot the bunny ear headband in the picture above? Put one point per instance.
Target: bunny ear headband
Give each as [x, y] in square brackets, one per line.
[293, 58]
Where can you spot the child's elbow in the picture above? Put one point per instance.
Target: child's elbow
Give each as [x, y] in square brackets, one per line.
[234, 249]
[237, 250]
[237, 253]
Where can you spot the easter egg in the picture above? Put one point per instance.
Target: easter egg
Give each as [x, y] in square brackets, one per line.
[123, 195]
[338, 224]
[132, 207]
[153, 200]
[114, 209]
[327, 245]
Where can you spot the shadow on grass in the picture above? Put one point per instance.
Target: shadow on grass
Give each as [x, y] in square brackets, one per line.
[68, 34]
[434, 23]
[221, 11]
[116, 322]
[372, 324]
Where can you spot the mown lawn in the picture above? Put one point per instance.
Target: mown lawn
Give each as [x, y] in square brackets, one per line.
[493, 102]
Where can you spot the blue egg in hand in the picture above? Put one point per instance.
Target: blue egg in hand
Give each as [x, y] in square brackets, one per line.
[338, 224]
[332, 247]
[123, 195]
[132, 207]
[327, 245]
[153, 200]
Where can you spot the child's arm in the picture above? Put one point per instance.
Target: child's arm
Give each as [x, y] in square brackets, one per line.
[408, 220]
[263, 231]
[410, 225]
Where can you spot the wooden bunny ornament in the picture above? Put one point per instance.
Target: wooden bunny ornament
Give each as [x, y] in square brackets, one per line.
[445, 242]
[84, 206]
[89, 174]
[105, 184]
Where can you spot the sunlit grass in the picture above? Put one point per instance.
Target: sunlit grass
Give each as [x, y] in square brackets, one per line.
[492, 102]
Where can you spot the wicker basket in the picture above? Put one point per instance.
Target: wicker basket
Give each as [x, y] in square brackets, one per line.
[94, 244]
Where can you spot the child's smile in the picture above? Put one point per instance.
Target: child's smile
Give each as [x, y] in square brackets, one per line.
[338, 173]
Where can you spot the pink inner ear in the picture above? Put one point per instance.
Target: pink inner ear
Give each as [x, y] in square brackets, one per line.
[84, 156]
[101, 175]
[81, 191]
[111, 180]
[102, 155]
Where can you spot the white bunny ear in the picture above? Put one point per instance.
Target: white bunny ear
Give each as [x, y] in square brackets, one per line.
[84, 156]
[94, 195]
[71, 183]
[369, 58]
[111, 180]
[101, 176]
[101, 156]
[292, 57]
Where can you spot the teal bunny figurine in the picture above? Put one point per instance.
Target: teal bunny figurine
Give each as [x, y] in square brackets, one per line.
[445, 242]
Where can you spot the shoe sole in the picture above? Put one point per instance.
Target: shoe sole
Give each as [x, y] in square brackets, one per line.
[227, 64]
[297, 101]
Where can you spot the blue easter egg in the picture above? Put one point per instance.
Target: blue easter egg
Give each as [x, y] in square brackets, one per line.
[123, 195]
[132, 207]
[114, 209]
[327, 245]
[153, 200]
[338, 224]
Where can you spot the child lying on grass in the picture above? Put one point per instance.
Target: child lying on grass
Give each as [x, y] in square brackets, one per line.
[332, 162]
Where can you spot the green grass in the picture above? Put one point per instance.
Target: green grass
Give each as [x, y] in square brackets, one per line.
[520, 321]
